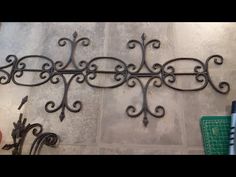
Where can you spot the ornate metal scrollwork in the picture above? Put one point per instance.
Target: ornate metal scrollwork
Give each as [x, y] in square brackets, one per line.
[20, 132]
[87, 71]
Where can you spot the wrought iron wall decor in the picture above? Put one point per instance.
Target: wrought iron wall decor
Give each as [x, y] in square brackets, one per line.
[131, 74]
[20, 132]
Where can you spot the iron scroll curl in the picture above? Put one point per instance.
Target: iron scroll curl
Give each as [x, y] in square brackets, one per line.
[86, 72]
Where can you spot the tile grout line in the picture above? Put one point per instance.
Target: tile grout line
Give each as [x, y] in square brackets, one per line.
[99, 125]
[183, 120]
[183, 127]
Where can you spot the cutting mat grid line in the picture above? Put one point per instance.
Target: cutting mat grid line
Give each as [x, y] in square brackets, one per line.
[215, 134]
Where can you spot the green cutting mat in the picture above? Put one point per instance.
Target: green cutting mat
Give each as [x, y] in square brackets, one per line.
[215, 134]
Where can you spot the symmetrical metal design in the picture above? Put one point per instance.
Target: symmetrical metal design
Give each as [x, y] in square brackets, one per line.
[20, 132]
[157, 74]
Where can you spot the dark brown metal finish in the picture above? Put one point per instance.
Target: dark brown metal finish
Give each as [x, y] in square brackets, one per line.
[47, 138]
[157, 75]
[20, 132]
[23, 101]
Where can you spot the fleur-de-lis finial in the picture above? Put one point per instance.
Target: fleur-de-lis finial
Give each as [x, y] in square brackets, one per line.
[62, 116]
[143, 37]
[75, 34]
[145, 121]
[23, 101]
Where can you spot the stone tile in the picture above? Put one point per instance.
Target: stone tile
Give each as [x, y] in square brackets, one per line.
[140, 151]
[201, 40]
[21, 39]
[196, 152]
[69, 150]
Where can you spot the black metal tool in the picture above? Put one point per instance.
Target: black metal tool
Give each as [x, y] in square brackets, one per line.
[23, 101]
[20, 132]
